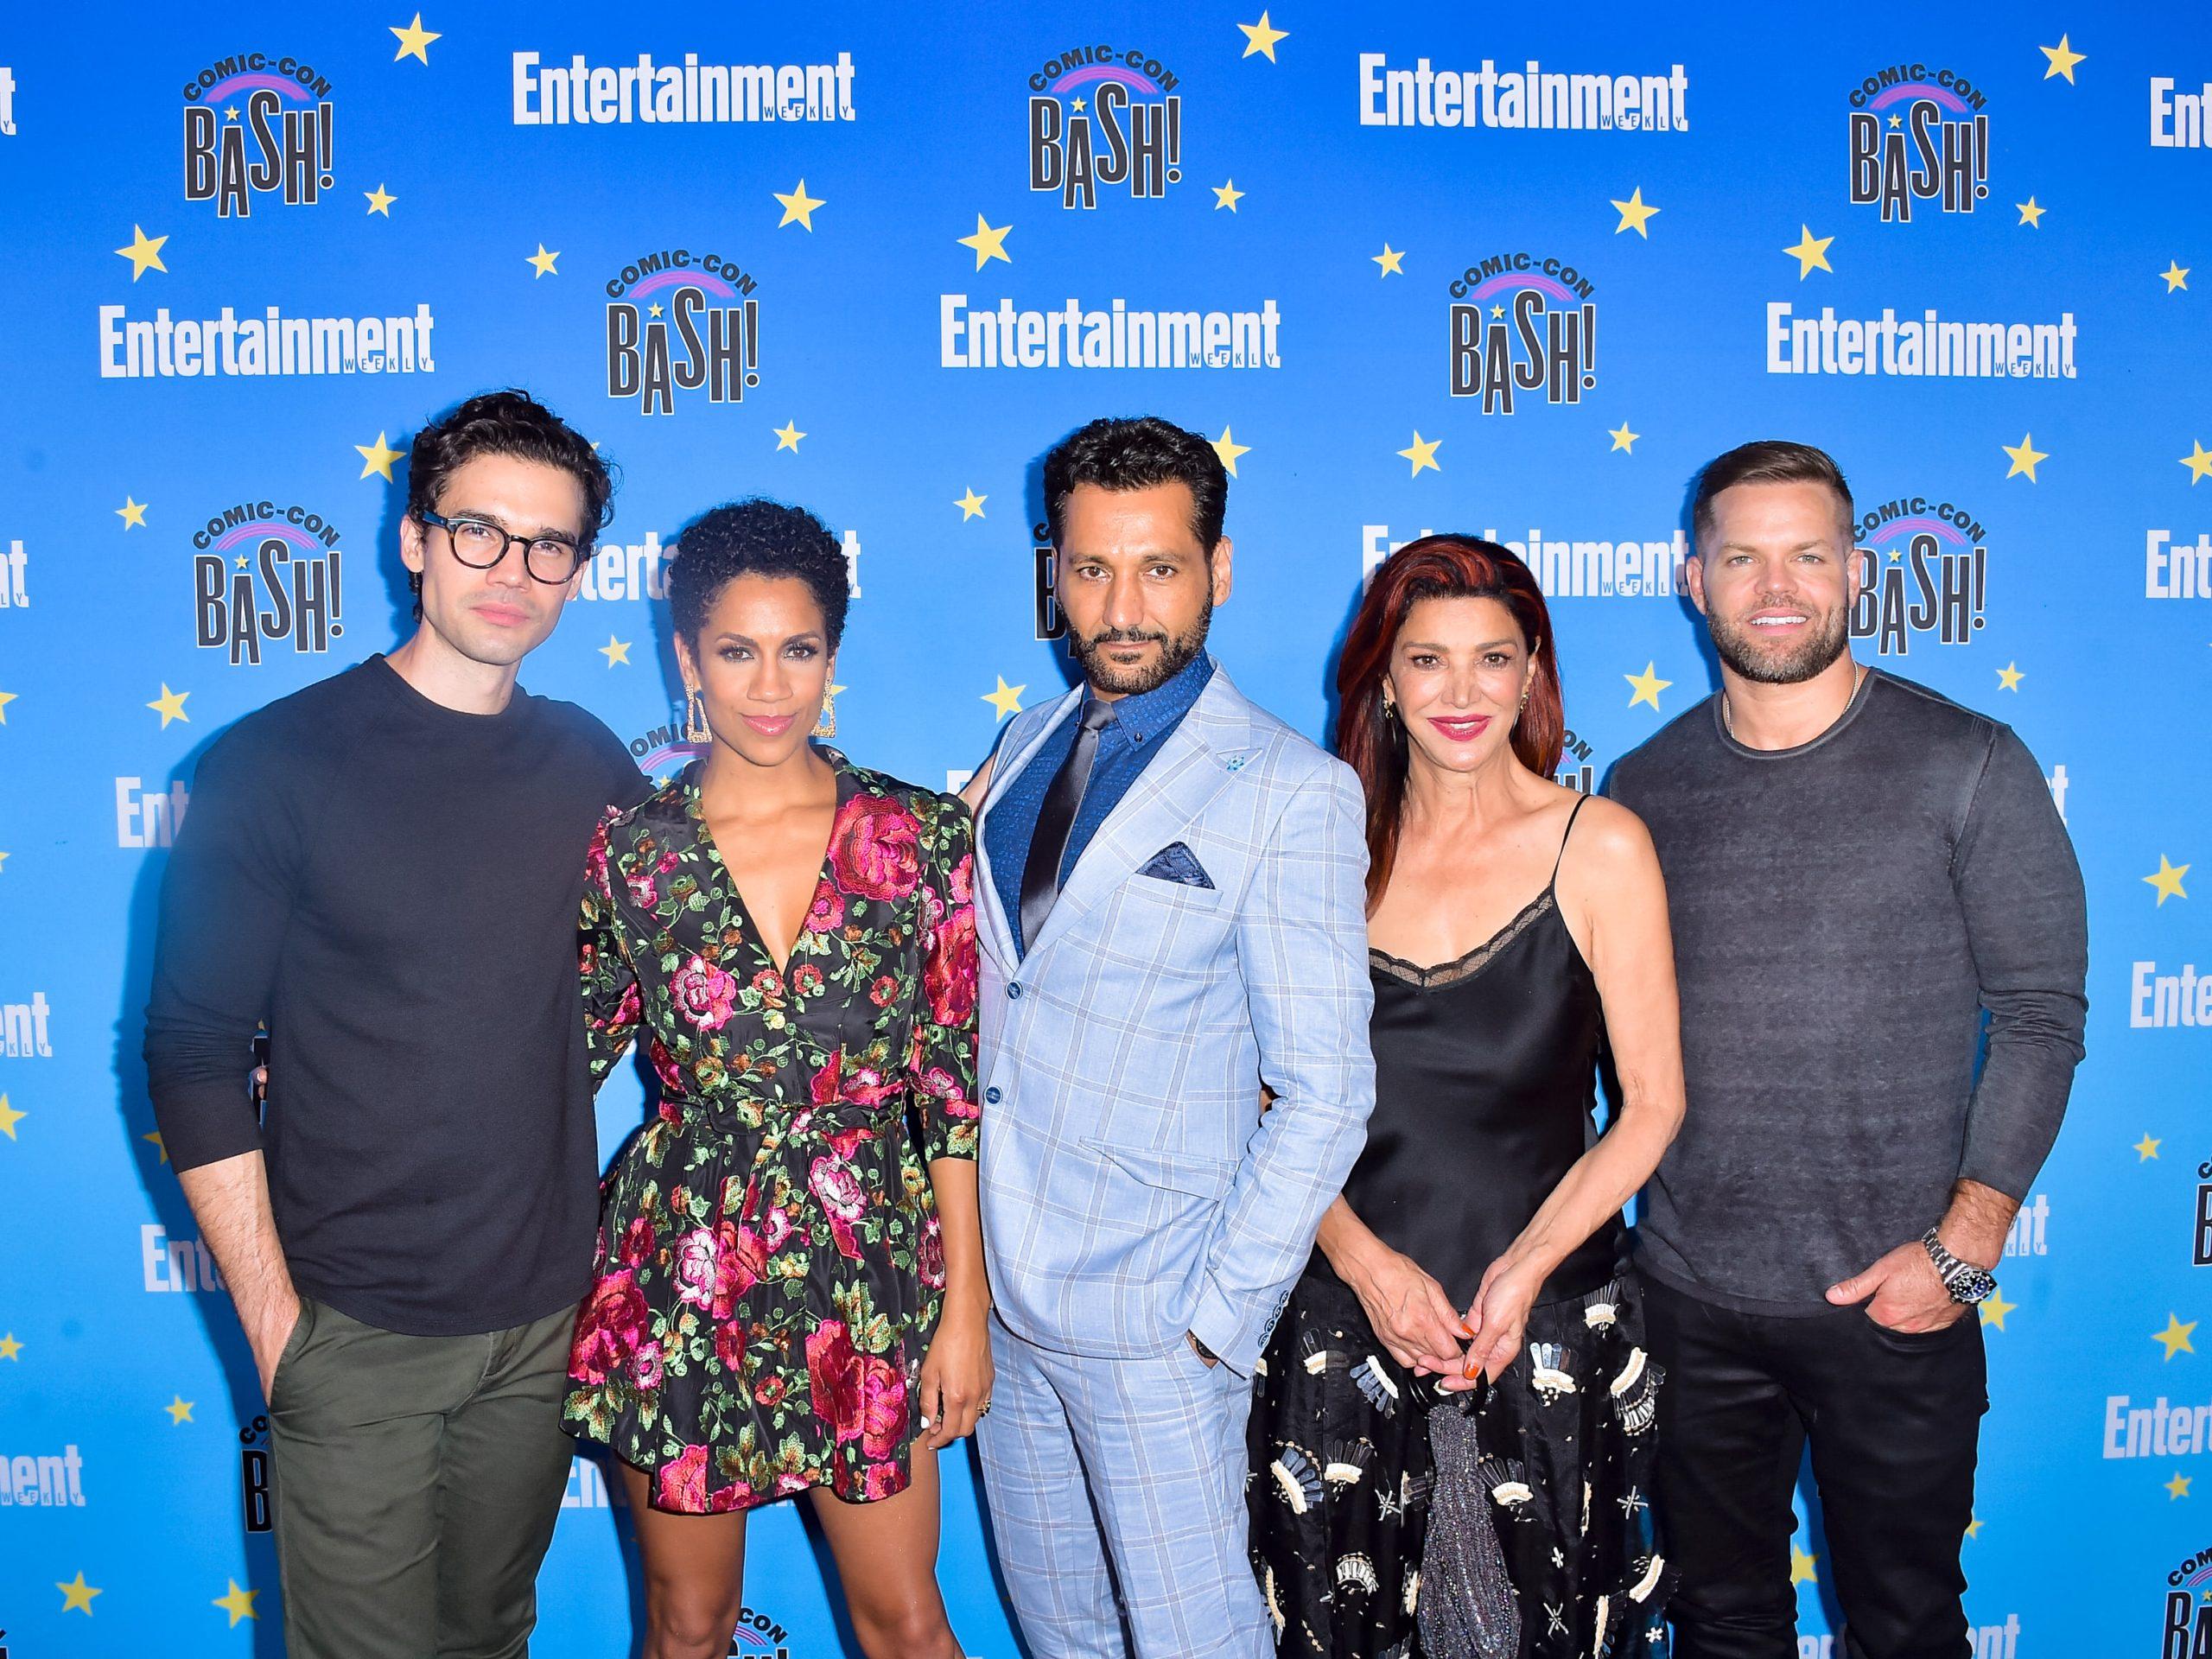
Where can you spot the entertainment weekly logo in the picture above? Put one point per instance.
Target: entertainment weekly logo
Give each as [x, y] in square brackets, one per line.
[1529, 99]
[259, 123]
[15, 590]
[2174, 569]
[1104, 115]
[2178, 120]
[644, 90]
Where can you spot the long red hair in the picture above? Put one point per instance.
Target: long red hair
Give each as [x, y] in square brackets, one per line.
[1435, 566]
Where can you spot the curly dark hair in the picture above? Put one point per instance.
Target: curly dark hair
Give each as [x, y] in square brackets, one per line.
[508, 423]
[756, 537]
[1118, 454]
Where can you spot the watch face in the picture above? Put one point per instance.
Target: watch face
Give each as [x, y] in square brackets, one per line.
[1974, 1286]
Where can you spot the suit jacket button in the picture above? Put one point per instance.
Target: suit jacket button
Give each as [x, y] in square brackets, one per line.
[990, 1097]
[1013, 992]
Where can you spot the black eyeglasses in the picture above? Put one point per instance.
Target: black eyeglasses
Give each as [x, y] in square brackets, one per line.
[481, 545]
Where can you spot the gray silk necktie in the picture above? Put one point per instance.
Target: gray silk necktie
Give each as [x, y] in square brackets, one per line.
[1048, 845]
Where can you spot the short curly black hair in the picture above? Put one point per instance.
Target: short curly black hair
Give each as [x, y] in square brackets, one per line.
[756, 537]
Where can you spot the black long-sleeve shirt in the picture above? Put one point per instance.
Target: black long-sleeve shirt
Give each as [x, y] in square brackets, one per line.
[1845, 912]
[394, 886]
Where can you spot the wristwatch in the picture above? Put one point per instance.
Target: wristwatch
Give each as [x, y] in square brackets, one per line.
[1967, 1283]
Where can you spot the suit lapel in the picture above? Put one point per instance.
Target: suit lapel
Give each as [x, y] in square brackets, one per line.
[1019, 749]
[1198, 761]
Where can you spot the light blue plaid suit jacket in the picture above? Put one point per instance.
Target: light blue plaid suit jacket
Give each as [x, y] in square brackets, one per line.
[1131, 1188]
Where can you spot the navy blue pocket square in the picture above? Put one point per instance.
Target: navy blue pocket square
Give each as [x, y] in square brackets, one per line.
[1179, 864]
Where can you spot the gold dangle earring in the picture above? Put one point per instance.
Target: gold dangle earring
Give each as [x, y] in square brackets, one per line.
[1390, 708]
[695, 729]
[826, 724]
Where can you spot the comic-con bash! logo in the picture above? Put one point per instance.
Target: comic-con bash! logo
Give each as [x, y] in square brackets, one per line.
[263, 574]
[682, 322]
[256, 123]
[1103, 115]
[2187, 1632]
[1919, 134]
[1924, 570]
[1520, 323]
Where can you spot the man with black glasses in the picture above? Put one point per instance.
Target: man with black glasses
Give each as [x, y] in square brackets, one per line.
[386, 868]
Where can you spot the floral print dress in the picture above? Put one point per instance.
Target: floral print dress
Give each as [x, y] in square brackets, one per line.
[770, 1265]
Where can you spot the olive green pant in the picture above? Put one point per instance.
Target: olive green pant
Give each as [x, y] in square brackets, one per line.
[416, 1481]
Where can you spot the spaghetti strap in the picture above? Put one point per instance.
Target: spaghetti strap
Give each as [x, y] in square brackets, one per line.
[1564, 834]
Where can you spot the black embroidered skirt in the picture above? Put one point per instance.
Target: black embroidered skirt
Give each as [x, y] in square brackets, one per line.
[1342, 1477]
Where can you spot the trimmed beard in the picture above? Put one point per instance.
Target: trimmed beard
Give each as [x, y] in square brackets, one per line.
[1739, 649]
[1177, 652]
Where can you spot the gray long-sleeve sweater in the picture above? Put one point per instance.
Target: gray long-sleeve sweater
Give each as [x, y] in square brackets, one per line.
[1845, 912]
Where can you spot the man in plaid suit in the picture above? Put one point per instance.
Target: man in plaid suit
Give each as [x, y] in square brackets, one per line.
[1171, 914]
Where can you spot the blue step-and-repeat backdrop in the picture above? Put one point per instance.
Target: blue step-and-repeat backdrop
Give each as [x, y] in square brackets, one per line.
[1416, 267]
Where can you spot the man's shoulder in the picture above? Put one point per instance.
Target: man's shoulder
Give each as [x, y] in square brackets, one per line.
[1273, 752]
[1663, 754]
[1924, 716]
[291, 735]
[585, 738]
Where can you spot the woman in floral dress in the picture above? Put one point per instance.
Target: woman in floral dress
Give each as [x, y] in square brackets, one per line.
[789, 1294]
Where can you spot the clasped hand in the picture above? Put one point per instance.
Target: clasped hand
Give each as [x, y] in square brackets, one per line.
[1421, 1329]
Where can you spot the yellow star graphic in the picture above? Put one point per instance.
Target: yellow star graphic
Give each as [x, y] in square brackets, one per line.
[798, 207]
[2177, 1487]
[2177, 274]
[4, 857]
[160, 1145]
[1802, 1570]
[413, 41]
[970, 504]
[2063, 59]
[1648, 686]
[6, 697]
[9, 1348]
[2024, 456]
[379, 202]
[77, 1597]
[2009, 677]
[1228, 449]
[2199, 464]
[2174, 1337]
[990, 242]
[1227, 195]
[9, 1117]
[1973, 1527]
[377, 457]
[1635, 215]
[542, 260]
[1994, 1308]
[144, 253]
[1391, 259]
[1423, 454]
[170, 706]
[1261, 38]
[1006, 699]
[1622, 438]
[1811, 252]
[787, 435]
[2147, 1147]
[179, 1409]
[615, 651]
[133, 514]
[238, 1603]
[2167, 880]
[2031, 215]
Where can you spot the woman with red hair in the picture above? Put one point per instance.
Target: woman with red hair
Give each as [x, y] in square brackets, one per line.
[1459, 1373]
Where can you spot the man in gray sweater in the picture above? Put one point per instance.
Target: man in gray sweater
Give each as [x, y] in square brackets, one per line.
[1863, 877]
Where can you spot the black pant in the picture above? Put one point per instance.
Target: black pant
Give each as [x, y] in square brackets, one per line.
[1893, 1421]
